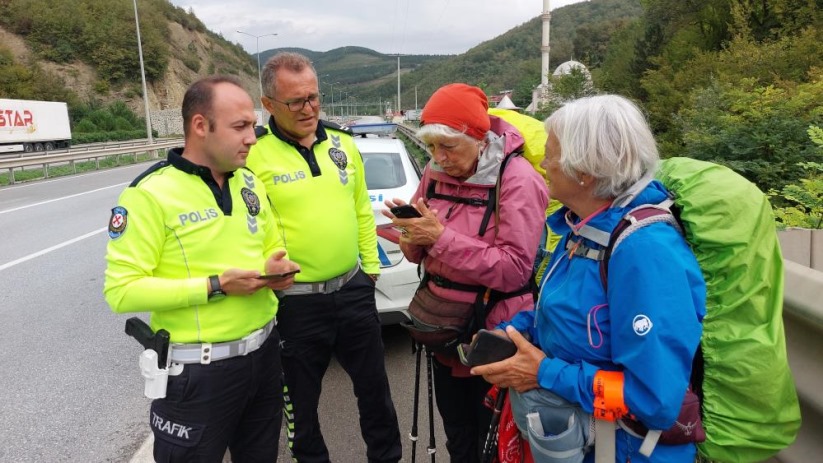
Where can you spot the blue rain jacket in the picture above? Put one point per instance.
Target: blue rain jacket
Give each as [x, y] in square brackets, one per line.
[649, 327]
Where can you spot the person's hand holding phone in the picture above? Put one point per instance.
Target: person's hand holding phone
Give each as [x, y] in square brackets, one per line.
[519, 371]
[486, 347]
[420, 231]
[235, 281]
[279, 271]
[405, 211]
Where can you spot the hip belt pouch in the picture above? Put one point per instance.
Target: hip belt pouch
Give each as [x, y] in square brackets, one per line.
[687, 429]
[438, 323]
[558, 431]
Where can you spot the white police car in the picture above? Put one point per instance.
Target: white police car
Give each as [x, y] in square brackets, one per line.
[390, 173]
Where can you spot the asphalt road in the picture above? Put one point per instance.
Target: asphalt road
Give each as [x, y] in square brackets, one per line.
[70, 388]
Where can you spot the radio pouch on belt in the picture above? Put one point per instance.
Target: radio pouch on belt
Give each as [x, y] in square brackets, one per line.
[154, 360]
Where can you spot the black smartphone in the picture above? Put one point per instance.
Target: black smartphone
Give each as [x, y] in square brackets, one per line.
[273, 276]
[406, 211]
[487, 347]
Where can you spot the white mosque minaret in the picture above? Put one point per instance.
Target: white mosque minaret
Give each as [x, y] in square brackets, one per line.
[541, 93]
[544, 45]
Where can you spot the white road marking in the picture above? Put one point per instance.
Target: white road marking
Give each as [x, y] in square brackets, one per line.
[64, 197]
[48, 250]
[145, 454]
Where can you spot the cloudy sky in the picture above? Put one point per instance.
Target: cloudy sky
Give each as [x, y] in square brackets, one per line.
[387, 26]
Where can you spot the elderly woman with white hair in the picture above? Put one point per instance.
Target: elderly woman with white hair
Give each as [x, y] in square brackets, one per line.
[481, 211]
[629, 334]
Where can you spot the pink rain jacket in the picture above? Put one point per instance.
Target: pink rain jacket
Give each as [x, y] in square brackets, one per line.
[502, 259]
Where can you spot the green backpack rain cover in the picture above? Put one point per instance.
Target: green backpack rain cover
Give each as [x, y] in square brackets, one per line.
[750, 408]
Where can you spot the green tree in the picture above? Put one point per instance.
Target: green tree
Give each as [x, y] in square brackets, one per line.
[760, 131]
[566, 87]
[806, 200]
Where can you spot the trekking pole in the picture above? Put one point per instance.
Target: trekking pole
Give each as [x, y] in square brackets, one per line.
[417, 348]
[432, 449]
[491, 438]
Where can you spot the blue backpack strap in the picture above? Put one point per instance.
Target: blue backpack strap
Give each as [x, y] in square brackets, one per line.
[490, 202]
[634, 220]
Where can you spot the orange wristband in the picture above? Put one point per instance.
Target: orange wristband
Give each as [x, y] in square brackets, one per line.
[608, 395]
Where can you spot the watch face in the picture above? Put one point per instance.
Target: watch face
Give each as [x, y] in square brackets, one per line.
[216, 295]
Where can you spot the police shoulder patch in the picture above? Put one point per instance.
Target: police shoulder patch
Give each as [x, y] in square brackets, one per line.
[339, 158]
[252, 201]
[118, 222]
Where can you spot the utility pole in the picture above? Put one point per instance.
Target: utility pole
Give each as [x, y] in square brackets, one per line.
[257, 39]
[143, 76]
[332, 96]
[398, 82]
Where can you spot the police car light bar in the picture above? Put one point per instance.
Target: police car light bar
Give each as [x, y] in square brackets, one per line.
[383, 130]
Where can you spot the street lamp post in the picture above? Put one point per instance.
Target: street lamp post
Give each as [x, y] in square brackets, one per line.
[143, 76]
[332, 96]
[257, 40]
[398, 83]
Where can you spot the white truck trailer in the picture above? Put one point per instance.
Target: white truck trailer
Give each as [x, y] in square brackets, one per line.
[33, 126]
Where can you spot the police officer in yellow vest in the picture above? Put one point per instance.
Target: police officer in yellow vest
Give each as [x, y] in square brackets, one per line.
[315, 181]
[190, 238]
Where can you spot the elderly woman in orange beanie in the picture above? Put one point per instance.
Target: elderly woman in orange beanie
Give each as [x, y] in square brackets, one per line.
[482, 209]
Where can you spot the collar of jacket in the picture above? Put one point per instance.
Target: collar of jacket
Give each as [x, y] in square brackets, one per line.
[653, 193]
[319, 133]
[502, 140]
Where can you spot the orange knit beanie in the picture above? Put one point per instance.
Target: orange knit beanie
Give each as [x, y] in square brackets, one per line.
[461, 107]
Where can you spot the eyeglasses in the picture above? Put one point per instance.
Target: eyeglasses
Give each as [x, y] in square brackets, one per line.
[298, 105]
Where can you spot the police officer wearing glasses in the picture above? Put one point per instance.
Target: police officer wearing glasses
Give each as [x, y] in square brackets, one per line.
[315, 181]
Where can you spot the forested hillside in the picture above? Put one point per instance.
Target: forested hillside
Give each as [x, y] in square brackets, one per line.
[732, 81]
[84, 52]
[359, 66]
[512, 61]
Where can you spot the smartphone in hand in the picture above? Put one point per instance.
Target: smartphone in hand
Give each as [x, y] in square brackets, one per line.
[487, 347]
[406, 211]
[275, 276]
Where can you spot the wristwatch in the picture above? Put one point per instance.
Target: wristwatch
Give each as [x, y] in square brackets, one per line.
[216, 292]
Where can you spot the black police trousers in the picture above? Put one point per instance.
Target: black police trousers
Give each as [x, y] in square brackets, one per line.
[466, 420]
[344, 324]
[236, 403]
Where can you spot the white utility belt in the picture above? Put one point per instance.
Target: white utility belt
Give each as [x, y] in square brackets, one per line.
[207, 352]
[321, 287]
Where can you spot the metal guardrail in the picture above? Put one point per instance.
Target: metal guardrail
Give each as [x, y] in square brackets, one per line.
[86, 154]
[410, 133]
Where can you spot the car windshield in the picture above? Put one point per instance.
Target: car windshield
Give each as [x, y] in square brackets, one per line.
[383, 170]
